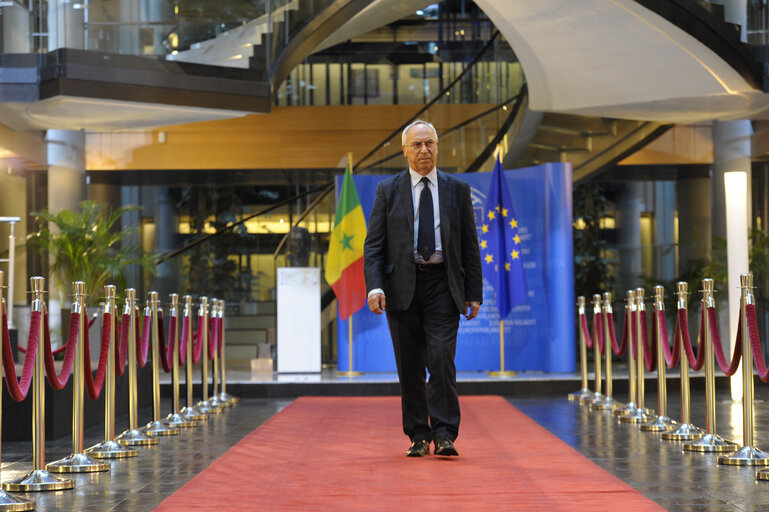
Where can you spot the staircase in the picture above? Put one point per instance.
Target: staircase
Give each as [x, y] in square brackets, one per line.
[251, 334]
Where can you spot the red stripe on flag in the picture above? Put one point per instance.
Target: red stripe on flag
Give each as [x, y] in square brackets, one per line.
[350, 289]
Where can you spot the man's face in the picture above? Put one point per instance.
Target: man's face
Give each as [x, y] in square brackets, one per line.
[421, 158]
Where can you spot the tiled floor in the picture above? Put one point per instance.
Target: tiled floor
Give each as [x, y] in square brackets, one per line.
[676, 480]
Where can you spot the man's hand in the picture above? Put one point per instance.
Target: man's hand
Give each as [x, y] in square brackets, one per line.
[377, 303]
[473, 305]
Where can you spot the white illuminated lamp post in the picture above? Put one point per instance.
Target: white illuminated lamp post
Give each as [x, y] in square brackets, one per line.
[736, 190]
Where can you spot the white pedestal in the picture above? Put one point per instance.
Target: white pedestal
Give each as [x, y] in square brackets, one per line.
[298, 320]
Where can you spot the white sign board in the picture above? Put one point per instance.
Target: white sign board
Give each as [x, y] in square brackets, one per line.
[298, 320]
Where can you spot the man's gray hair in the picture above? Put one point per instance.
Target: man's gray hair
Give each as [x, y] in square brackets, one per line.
[411, 125]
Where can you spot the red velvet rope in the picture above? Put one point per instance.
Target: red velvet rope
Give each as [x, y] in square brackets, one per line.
[213, 338]
[585, 333]
[755, 342]
[650, 350]
[122, 348]
[186, 323]
[19, 389]
[618, 350]
[671, 356]
[719, 351]
[166, 355]
[598, 331]
[58, 382]
[94, 386]
[92, 321]
[199, 343]
[143, 344]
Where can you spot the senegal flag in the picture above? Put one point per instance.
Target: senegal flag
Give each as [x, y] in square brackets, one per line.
[344, 269]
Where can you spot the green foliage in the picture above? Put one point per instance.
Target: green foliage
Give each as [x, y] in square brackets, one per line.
[592, 272]
[85, 246]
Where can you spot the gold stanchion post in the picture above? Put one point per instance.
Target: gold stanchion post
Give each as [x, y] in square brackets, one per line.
[133, 436]
[175, 419]
[630, 408]
[216, 400]
[109, 448]
[662, 422]
[39, 479]
[204, 405]
[502, 372]
[190, 411]
[597, 364]
[226, 397]
[685, 431]
[608, 402]
[641, 414]
[710, 442]
[747, 455]
[156, 427]
[78, 462]
[7, 501]
[584, 394]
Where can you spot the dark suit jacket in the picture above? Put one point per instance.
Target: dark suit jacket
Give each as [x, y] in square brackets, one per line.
[389, 248]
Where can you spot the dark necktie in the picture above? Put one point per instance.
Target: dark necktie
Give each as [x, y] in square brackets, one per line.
[426, 238]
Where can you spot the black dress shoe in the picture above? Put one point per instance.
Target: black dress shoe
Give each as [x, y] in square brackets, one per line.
[445, 447]
[419, 449]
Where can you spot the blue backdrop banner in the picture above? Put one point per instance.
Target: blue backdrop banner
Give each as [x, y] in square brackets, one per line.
[539, 333]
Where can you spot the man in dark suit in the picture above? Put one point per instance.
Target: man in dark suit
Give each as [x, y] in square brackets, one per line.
[423, 267]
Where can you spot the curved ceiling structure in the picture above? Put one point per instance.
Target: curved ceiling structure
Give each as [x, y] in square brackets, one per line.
[616, 58]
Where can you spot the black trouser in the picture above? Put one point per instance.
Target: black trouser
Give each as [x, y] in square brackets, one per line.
[425, 335]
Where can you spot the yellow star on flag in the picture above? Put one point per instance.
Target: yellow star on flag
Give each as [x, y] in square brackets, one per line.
[485, 228]
[504, 212]
[489, 258]
[497, 207]
[517, 239]
[514, 254]
[513, 223]
[507, 266]
[483, 244]
[491, 215]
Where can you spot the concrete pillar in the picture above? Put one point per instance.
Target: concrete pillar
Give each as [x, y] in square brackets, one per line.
[731, 152]
[628, 227]
[166, 223]
[130, 195]
[16, 33]
[66, 25]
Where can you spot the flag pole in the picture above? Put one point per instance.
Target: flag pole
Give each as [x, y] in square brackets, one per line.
[502, 372]
[350, 372]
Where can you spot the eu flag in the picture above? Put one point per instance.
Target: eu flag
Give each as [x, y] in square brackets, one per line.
[501, 245]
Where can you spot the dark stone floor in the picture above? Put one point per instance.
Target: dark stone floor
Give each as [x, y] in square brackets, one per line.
[676, 480]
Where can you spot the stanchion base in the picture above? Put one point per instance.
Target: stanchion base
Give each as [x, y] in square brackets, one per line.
[763, 474]
[745, 456]
[597, 397]
[135, 438]
[231, 400]
[77, 463]
[710, 443]
[179, 421]
[503, 374]
[158, 428]
[215, 401]
[349, 374]
[206, 408]
[683, 432]
[583, 394]
[639, 416]
[193, 414]
[12, 503]
[659, 424]
[38, 480]
[111, 450]
[606, 403]
[629, 408]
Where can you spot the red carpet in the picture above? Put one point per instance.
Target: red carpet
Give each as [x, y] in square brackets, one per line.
[327, 453]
